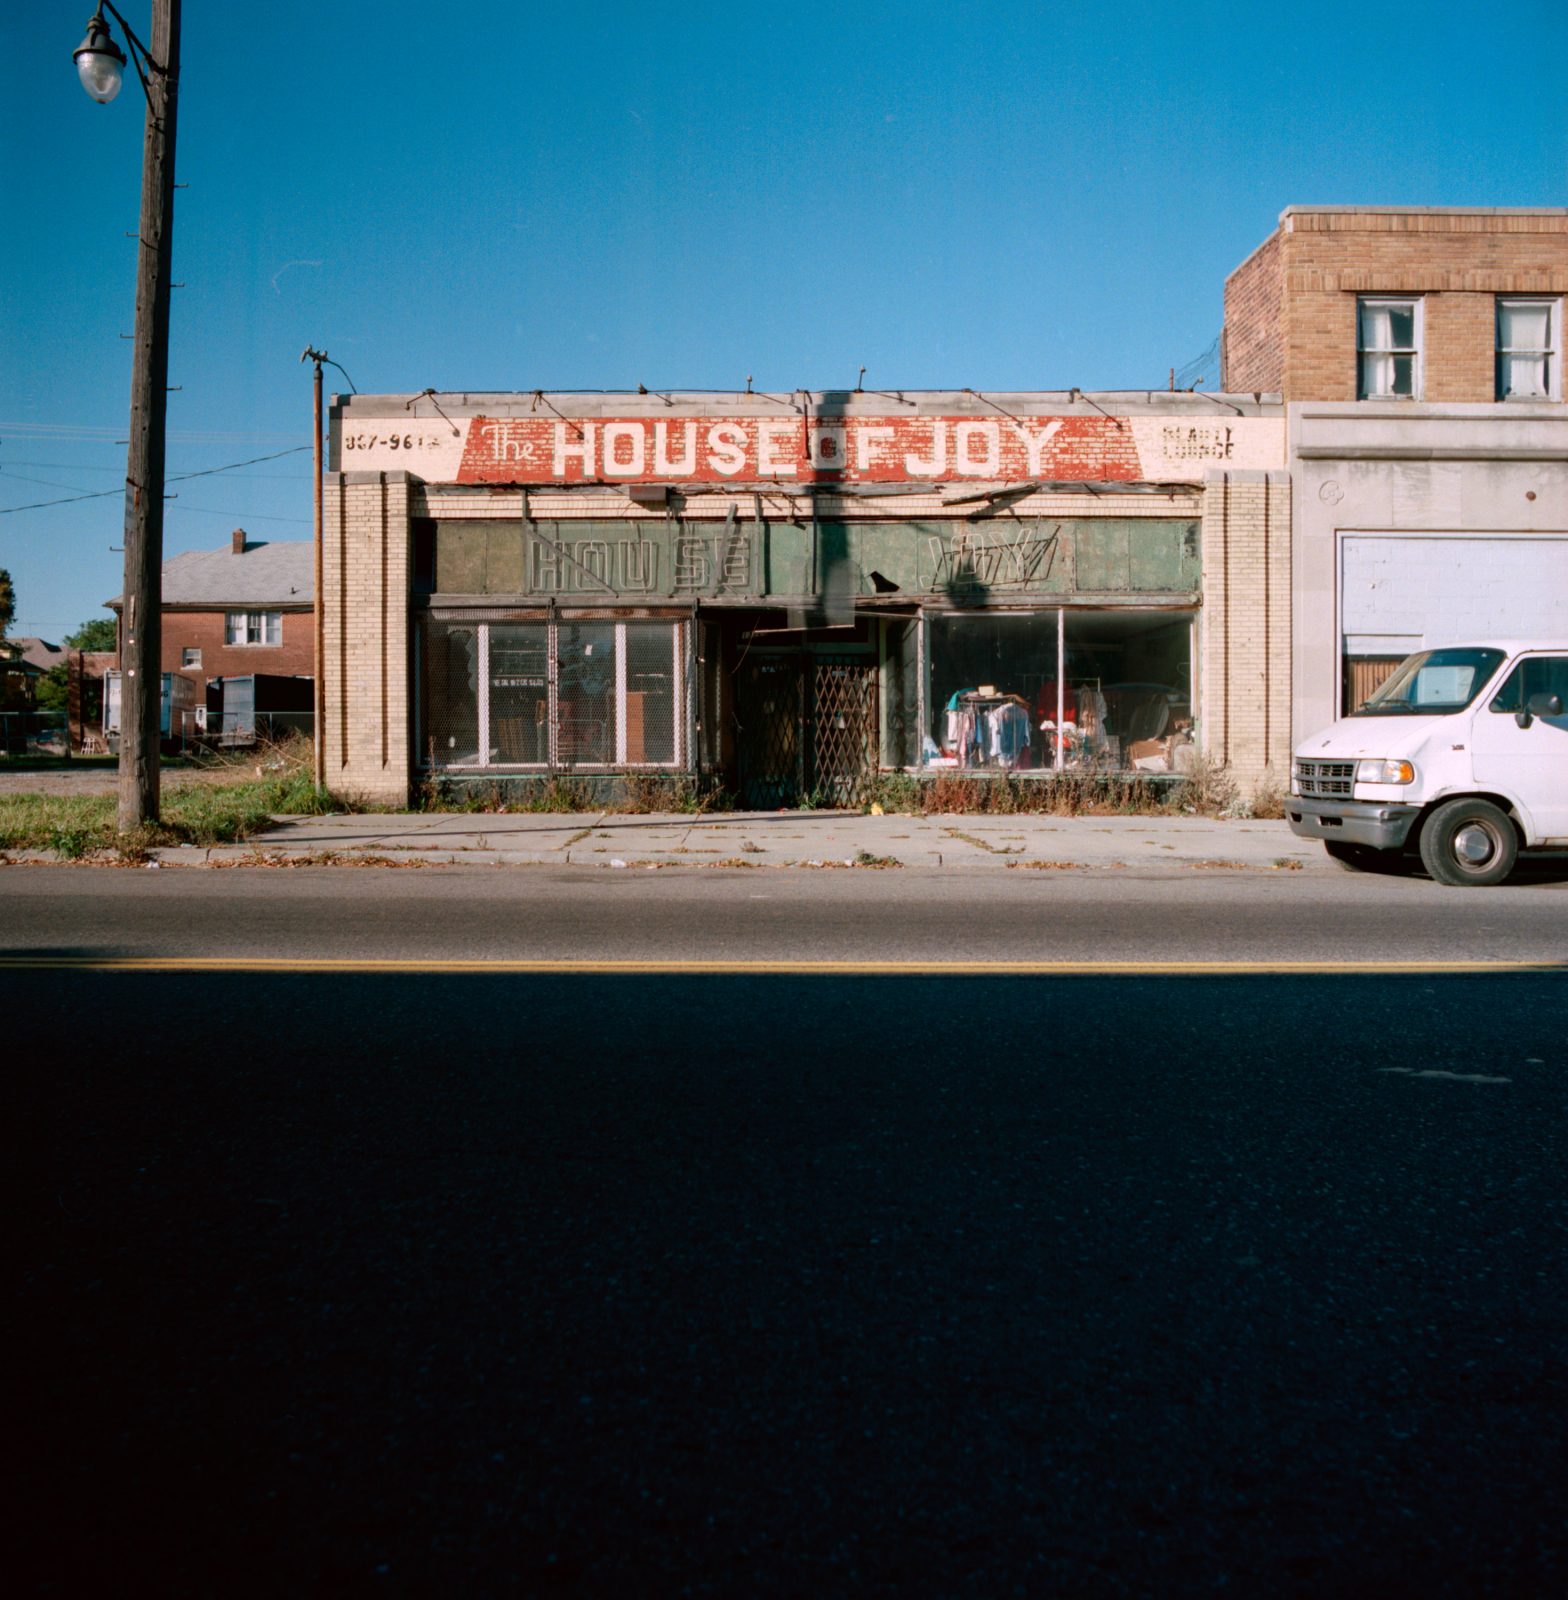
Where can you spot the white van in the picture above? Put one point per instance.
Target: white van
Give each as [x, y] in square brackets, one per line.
[1462, 754]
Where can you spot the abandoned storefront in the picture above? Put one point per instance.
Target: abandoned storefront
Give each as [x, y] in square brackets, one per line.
[785, 594]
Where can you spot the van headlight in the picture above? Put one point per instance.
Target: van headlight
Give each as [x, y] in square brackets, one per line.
[1385, 772]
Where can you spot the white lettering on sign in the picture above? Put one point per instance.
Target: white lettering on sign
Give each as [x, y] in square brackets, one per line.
[774, 437]
[664, 464]
[1035, 442]
[573, 442]
[990, 436]
[727, 448]
[623, 450]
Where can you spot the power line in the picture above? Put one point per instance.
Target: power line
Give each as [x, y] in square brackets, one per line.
[103, 494]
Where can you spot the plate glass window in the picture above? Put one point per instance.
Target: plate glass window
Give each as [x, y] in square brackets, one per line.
[527, 692]
[1388, 343]
[253, 627]
[1528, 354]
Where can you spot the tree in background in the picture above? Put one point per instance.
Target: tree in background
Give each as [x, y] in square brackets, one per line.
[7, 602]
[54, 688]
[97, 634]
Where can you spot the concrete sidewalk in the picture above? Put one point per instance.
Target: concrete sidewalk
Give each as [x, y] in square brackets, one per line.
[805, 839]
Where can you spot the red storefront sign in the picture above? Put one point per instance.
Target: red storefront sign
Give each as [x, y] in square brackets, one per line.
[809, 449]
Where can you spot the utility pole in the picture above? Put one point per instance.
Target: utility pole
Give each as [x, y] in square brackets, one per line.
[321, 358]
[100, 62]
[318, 693]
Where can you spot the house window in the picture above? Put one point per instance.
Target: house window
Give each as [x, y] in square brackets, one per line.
[1528, 364]
[253, 627]
[1388, 346]
[532, 693]
[190, 656]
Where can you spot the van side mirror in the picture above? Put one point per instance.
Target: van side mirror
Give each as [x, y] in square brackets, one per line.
[1539, 705]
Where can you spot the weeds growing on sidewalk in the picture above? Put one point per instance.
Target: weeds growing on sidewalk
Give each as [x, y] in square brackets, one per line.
[239, 796]
[1071, 795]
[629, 794]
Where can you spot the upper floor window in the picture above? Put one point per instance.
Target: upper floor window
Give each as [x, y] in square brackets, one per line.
[190, 656]
[253, 627]
[1528, 356]
[1388, 349]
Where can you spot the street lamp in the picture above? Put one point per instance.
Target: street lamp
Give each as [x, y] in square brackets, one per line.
[100, 63]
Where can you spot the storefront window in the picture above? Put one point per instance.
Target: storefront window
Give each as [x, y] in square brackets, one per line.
[1068, 690]
[541, 694]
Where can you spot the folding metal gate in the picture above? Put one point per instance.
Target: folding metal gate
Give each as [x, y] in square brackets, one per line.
[807, 730]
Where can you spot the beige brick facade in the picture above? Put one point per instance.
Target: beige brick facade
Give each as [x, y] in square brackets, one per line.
[1308, 274]
[366, 666]
[1245, 627]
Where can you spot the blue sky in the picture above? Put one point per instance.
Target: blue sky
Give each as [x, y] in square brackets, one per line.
[491, 196]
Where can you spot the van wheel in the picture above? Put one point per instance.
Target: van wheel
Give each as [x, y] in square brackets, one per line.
[1355, 857]
[1469, 844]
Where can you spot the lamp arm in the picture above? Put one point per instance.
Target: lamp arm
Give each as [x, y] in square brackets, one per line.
[138, 51]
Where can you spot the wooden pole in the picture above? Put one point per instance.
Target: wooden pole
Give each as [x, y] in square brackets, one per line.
[141, 680]
[319, 715]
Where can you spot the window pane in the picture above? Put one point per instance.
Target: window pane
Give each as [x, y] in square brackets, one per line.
[1524, 327]
[650, 693]
[1402, 327]
[1377, 375]
[234, 627]
[272, 627]
[451, 692]
[520, 693]
[1537, 675]
[586, 688]
[1130, 674]
[1404, 374]
[993, 681]
[1524, 376]
[1374, 328]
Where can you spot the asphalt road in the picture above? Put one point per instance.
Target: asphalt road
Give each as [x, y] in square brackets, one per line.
[571, 1283]
[909, 915]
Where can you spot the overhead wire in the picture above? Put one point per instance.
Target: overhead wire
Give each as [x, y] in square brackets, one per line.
[179, 477]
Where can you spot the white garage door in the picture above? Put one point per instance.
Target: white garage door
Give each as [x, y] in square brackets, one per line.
[1403, 592]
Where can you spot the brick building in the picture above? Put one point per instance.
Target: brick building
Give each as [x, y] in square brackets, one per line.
[1419, 353]
[789, 592]
[246, 608]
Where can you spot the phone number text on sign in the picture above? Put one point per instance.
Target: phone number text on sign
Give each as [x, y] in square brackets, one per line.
[393, 441]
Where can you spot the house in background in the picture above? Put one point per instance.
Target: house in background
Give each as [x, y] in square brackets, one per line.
[240, 610]
[238, 645]
[1419, 353]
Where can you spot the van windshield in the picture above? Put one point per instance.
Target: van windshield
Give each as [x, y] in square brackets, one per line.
[1433, 683]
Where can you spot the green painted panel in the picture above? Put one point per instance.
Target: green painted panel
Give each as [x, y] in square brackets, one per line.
[1104, 557]
[990, 560]
[1159, 556]
[460, 557]
[504, 558]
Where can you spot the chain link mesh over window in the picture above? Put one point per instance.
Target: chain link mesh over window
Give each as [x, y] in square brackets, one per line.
[499, 693]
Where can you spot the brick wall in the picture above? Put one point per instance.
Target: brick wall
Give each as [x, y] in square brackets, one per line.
[203, 630]
[1244, 656]
[366, 667]
[1254, 331]
[1317, 263]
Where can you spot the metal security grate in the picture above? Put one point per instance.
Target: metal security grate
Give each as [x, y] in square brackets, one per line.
[770, 716]
[843, 726]
[807, 730]
[1325, 779]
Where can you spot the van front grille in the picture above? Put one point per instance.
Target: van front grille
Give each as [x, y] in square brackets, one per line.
[1326, 779]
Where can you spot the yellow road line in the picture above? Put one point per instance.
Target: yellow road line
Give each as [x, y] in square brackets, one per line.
[784, 968]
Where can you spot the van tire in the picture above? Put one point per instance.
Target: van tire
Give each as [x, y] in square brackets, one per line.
[1456, 831]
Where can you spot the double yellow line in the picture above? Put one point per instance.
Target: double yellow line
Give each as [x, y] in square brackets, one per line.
[45, 962]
